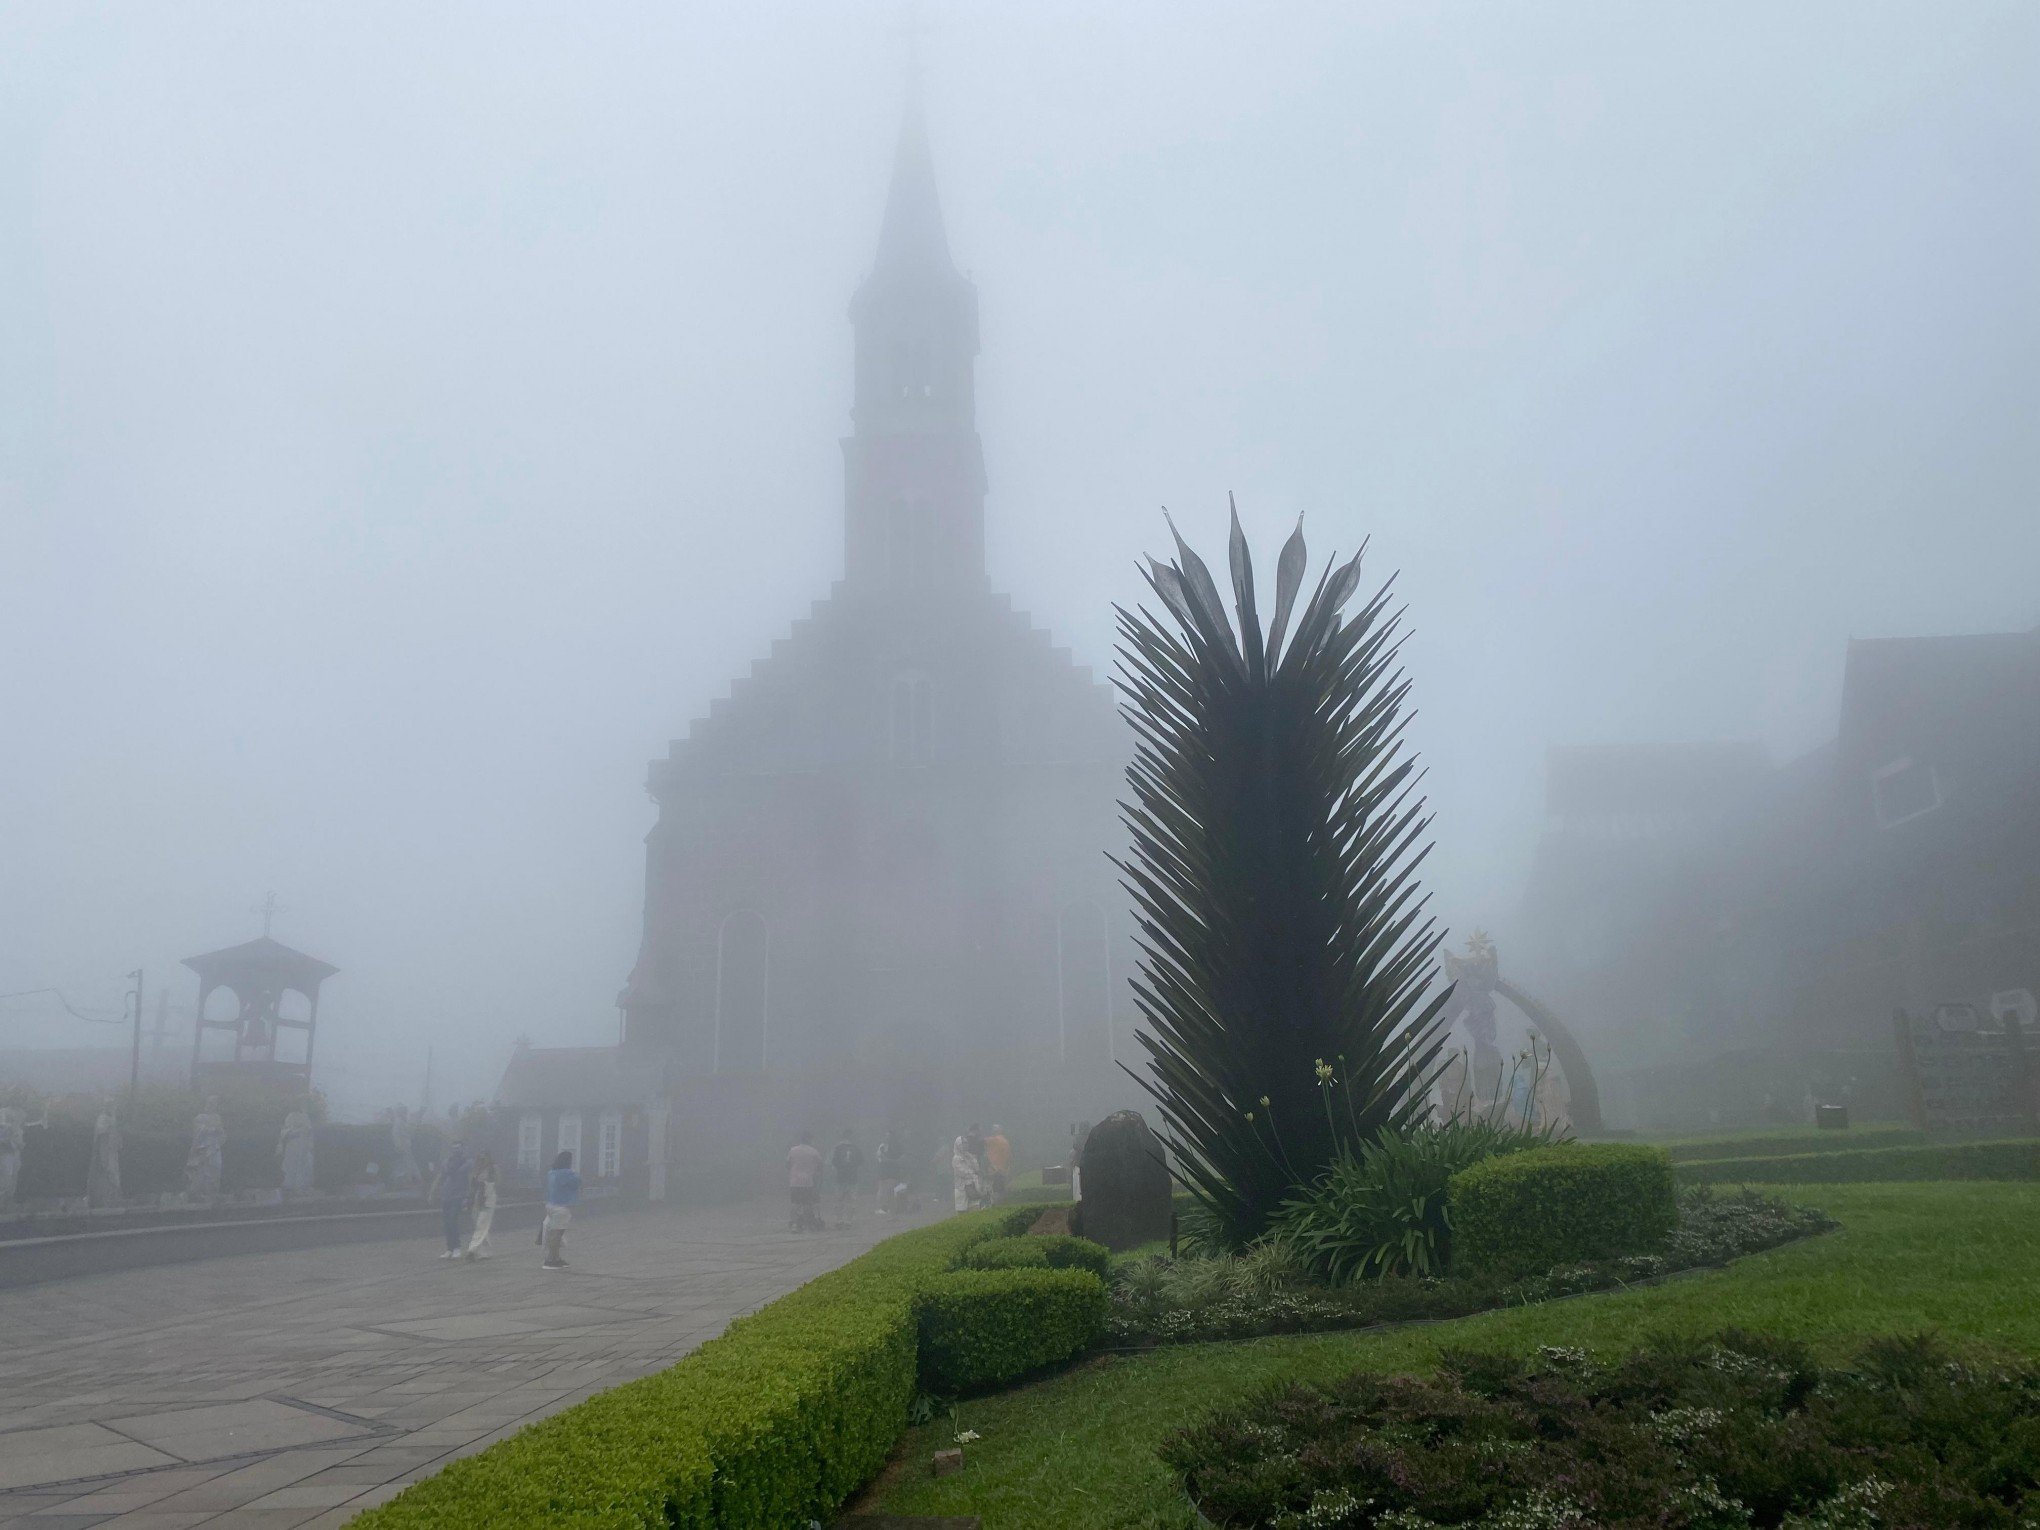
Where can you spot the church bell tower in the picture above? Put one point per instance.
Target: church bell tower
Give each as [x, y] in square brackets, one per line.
[914, 475]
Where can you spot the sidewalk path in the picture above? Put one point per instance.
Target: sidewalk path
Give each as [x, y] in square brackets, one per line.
[300, 1388]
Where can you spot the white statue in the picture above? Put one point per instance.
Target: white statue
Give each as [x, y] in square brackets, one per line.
[403, 1167]
[102, 1180]
[295, 1149]
[13, 1132]
[208, 1145]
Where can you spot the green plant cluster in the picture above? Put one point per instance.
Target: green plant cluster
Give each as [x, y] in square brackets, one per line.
[2013, 1159]
[1158, 1301]
[1384, 1211]
[980, 1329]
[1570, 1202]
[773, 1423]
[1736, 1430]
[1054, 1251]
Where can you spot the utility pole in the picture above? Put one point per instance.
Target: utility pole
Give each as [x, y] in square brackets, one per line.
[135, 1055]
[425, 1106]
[161, 1030]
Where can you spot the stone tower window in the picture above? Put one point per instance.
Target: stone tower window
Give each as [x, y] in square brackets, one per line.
[913, 719]
[743, 957]
[1083, 976]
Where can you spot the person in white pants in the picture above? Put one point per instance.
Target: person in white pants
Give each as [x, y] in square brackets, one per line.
[485, 1207]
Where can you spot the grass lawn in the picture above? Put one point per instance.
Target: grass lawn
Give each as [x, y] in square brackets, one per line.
[1078, 1450]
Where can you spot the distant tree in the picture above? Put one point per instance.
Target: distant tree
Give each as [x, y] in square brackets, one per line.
[1276, 829]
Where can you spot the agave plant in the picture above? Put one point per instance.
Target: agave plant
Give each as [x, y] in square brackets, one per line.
[1276, 834]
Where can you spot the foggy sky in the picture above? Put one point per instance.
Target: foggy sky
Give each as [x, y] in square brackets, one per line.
[412, 415]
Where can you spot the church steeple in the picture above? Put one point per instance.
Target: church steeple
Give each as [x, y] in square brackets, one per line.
[912, 238]
[913, 468]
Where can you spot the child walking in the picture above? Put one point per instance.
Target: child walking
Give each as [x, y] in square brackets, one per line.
[485, 1207]
[562, 1190]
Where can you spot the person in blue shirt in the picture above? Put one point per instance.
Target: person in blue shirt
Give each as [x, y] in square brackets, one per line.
[454, 1187]
[562, 1190]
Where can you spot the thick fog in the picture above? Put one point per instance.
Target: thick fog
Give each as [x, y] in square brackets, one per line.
[411, 416]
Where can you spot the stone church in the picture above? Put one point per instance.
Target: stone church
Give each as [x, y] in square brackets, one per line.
[878, 892]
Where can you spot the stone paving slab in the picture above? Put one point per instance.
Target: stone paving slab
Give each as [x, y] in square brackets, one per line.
[301, 1387]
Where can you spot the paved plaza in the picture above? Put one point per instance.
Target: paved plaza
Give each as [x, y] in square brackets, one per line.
[300, 1388]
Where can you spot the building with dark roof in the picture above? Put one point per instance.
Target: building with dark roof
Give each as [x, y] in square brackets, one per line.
[1783, 922]
[877, 890]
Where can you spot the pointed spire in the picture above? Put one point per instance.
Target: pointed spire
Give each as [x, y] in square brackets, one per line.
[912, 237]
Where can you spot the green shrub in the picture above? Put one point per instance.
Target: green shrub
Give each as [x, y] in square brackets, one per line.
[1806, 1139]
[1737, 1429]
[2018, 1159]
[1563, 1204]
[983, 1328]
[775, 1422]
[1021, 1253]
[1054, 1251]
[1383, 1211]
[1067, 1253]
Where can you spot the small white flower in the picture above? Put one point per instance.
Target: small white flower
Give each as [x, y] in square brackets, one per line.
[968, 1437]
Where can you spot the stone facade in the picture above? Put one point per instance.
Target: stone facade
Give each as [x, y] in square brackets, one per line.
[878, 889]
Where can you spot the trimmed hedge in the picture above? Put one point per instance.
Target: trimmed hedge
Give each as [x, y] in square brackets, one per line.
[984, 1328]
[1804, 1140]
[1569, 1203]
[775, 1422]
[2007, 1160]
[1052, 1251]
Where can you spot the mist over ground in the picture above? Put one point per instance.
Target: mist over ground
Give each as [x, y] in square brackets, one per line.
[411, 417]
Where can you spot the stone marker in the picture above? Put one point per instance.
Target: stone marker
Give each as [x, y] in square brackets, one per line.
[1128, 1194]
[948, 1462]
[294, 1152]
[13, 1135]
[208, 1144]
[102, 1176]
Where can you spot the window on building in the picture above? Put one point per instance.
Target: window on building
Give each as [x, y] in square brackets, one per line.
[743, 959]
[909, 539]
[916, 375]
[570, 1136]
[913, 719]
[1904, 789]
[1083, 970]
[530, 1141]
[609, 1146]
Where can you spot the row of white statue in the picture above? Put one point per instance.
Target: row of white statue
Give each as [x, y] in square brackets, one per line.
[202, 1166]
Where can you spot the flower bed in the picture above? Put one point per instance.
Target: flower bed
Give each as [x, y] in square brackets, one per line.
[1159, 1301]
[1734, 1431]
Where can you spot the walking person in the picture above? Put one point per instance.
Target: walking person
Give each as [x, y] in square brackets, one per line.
[888, 1174]
[485, 1207]
[847, 1160]
[999, 1159]
[562, 1193]
[803, 1181]
[453, 1185]
[963, 1173]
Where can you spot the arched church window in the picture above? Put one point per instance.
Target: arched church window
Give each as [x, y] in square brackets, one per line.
[1083, 975]
[743, 956]
[912, 719]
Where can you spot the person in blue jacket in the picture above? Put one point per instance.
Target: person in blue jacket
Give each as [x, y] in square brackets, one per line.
[562, 1190]
[454, 1187]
